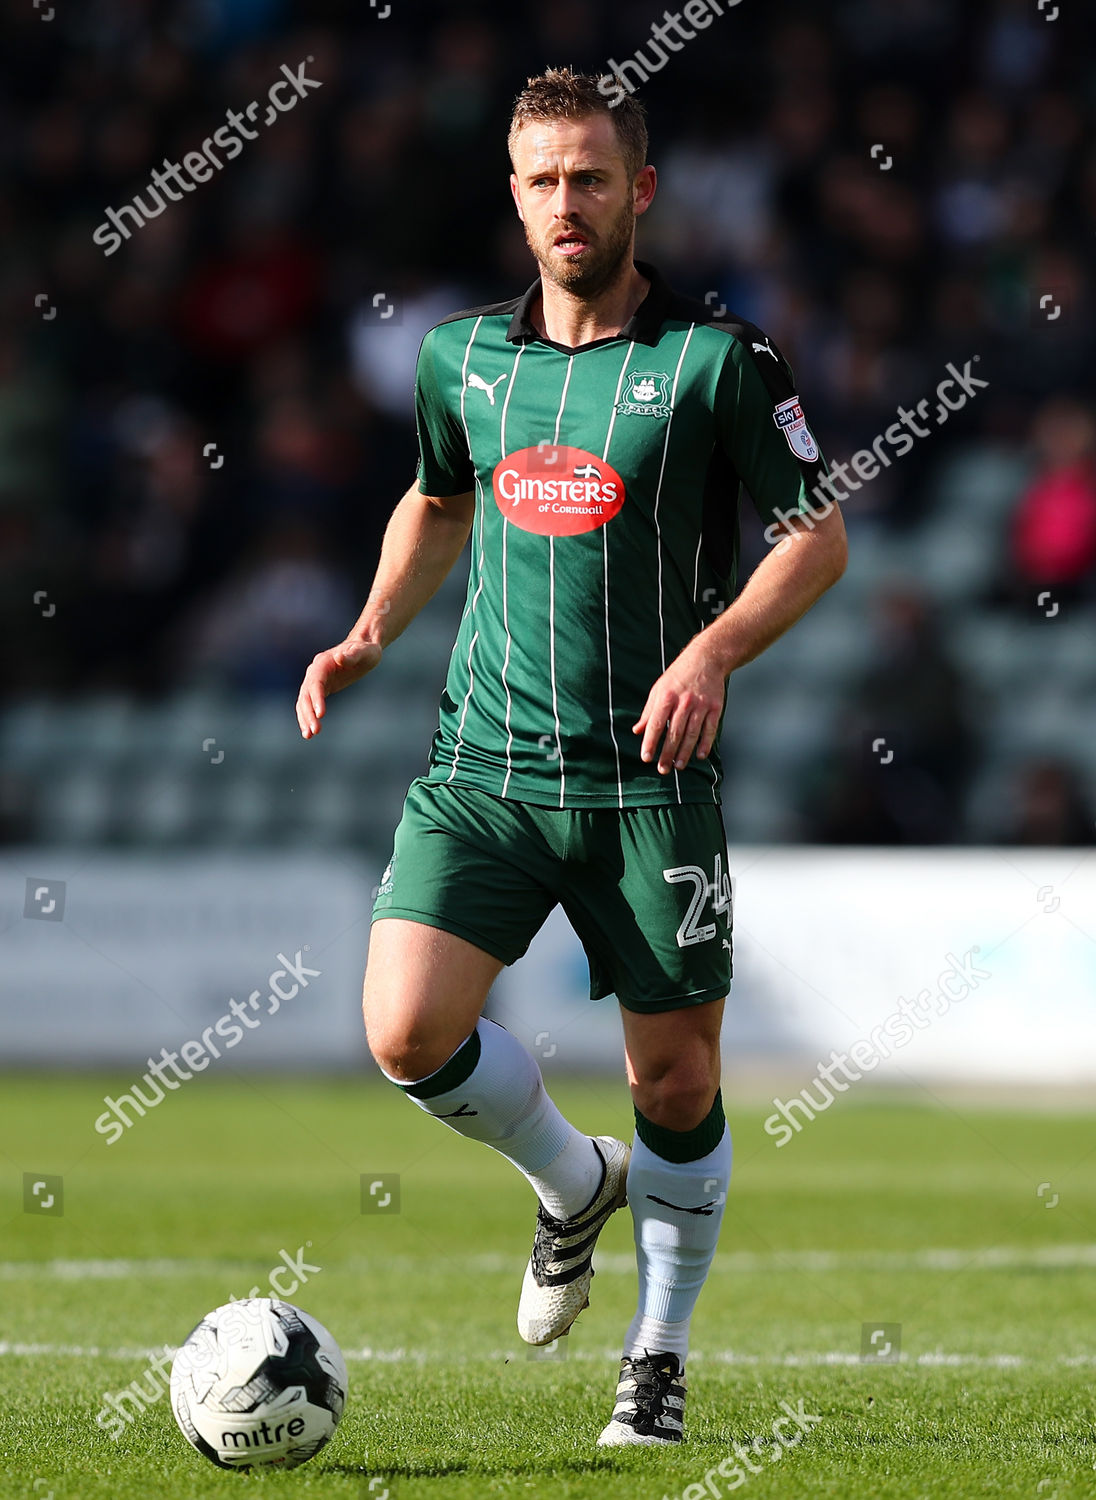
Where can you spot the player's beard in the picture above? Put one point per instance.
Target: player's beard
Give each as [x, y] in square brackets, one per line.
[601, 263]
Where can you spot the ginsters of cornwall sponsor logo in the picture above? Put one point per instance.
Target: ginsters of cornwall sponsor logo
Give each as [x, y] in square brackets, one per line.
[554, 490]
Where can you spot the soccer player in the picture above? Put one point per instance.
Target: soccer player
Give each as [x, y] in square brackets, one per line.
[591, 438]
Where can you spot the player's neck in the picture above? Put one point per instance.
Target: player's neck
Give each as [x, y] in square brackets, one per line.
[573, 321]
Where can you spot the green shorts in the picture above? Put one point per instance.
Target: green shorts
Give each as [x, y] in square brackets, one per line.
[645, 888]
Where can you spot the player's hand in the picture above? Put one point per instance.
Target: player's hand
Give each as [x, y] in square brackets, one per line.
[682, 711]
[329, 673]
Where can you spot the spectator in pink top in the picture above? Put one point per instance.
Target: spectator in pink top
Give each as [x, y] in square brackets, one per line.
[1053, 533]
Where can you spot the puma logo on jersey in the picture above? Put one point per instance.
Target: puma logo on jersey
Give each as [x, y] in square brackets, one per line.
[477, 383]
[766, 348]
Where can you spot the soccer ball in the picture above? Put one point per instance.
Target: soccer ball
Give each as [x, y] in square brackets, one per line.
[258, 1382]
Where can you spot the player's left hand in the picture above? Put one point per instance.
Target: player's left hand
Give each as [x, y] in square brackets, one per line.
[682, 710]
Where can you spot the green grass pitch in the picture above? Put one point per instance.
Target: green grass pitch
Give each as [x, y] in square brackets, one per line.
[974, 1229]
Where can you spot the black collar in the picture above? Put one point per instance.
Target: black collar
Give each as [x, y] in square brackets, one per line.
[643, 327]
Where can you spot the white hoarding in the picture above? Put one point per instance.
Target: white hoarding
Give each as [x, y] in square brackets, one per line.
[107, 958]
[949, 964]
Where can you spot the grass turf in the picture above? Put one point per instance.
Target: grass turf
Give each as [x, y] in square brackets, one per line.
[992, 1395]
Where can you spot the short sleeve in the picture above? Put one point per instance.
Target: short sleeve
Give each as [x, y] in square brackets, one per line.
[445, 465]
[763, 427]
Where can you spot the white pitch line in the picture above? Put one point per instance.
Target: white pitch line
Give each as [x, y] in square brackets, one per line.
[366, 1355]
[985, 1258]
[73, 1351]
[738, 1262]
[112, 1270]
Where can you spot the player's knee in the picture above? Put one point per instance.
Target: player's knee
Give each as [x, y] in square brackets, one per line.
[407, 1048]
[401, 1057]
[402, 1052]
[680, 1095]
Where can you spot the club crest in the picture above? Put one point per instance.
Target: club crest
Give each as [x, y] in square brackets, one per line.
[646, 393]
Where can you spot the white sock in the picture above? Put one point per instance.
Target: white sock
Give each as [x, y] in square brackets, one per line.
[653, 1336]
[674, 1248]
[491, 1090]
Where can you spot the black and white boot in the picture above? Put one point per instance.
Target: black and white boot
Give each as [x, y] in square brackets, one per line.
[557, 1279]
[650, 1402]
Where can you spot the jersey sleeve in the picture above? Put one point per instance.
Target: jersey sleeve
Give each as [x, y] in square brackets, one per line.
[763, 428]
[445, 466]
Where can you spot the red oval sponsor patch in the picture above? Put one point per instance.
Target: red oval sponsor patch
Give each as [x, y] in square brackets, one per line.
[554, 490]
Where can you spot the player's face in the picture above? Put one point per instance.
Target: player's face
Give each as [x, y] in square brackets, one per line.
[577, 201]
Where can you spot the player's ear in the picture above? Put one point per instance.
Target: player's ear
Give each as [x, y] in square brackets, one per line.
[517, 197]
[643, 189]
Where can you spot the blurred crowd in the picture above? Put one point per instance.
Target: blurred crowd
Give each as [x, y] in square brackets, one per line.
[202, 434]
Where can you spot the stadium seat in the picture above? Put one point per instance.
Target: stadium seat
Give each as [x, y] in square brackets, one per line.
[957, 556]
[157, 808]
[75, 807]
[981, 485]
[758, 807]
[27, 732]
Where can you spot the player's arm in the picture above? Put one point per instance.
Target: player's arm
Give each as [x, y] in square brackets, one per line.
[424, 537]
[687, 700]
[763, 431]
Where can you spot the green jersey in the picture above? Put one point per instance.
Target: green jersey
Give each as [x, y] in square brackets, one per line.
[605, 537]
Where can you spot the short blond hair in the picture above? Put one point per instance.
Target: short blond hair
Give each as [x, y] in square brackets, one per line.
[562, 94]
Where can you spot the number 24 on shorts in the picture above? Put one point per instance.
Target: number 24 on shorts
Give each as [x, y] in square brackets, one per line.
[721, 890]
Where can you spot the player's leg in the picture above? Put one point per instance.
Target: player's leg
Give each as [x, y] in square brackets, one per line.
[424, 993]
[652, 905]
[681, 1167]
[453, 907]
[677, 1189]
